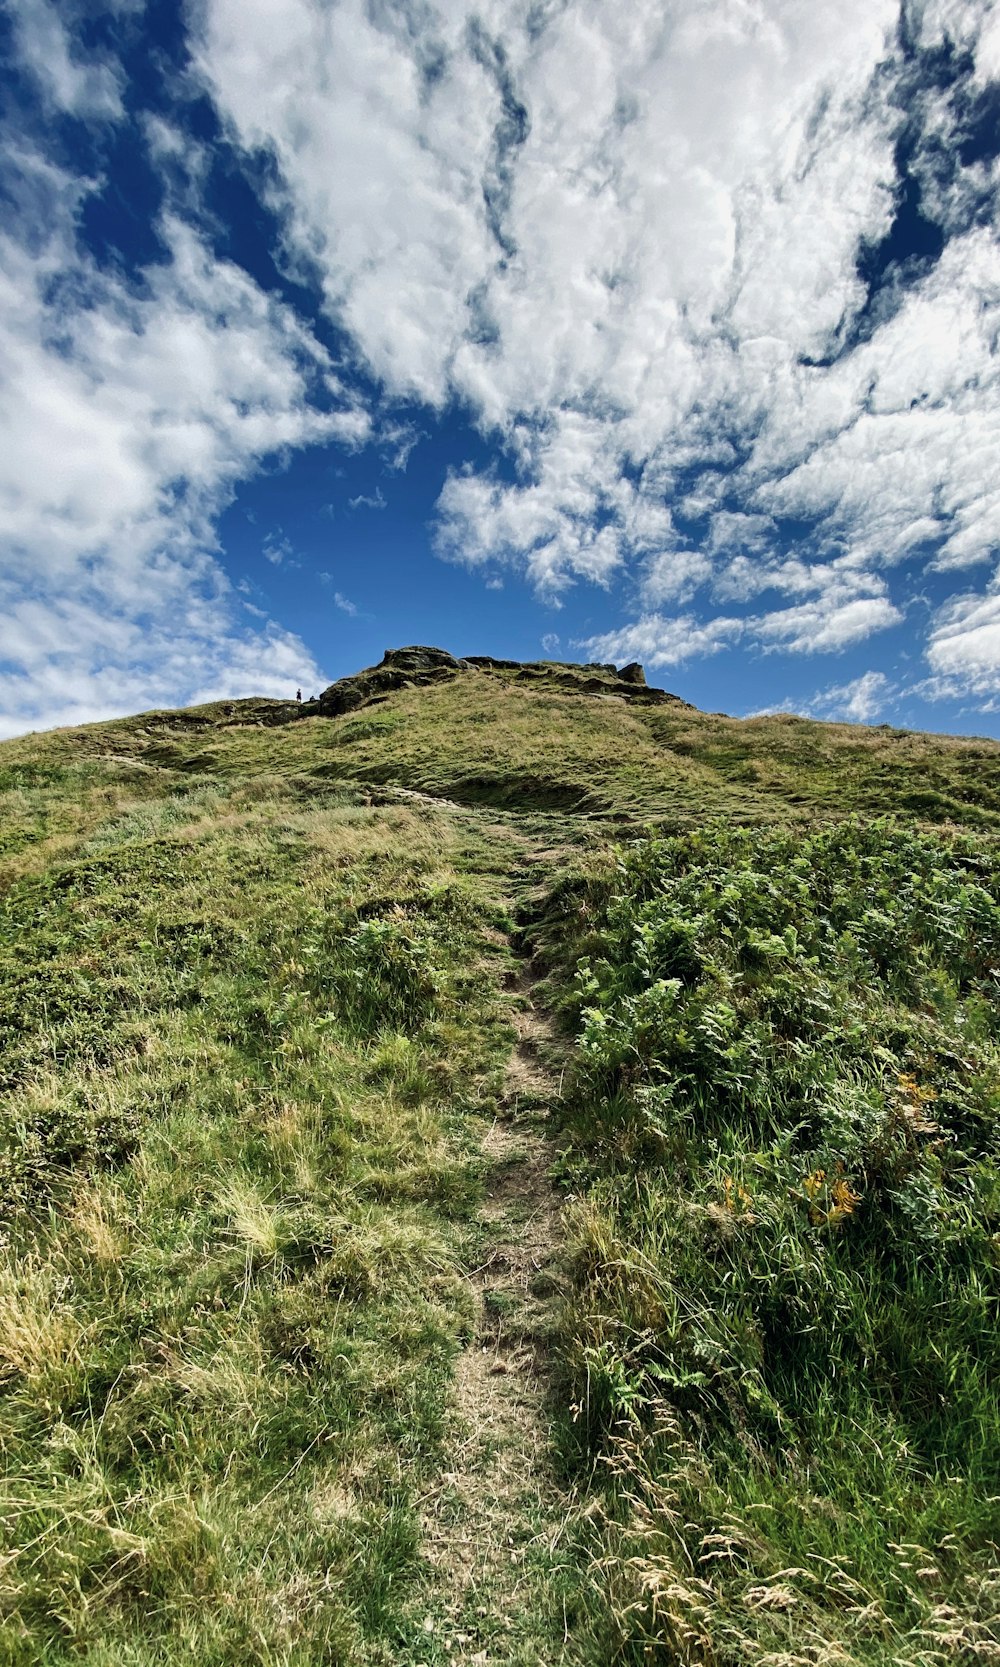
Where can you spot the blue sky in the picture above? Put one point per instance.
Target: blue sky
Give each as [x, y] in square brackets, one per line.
[559, 328]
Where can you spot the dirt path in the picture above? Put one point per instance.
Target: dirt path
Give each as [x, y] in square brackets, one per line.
[492, 1531]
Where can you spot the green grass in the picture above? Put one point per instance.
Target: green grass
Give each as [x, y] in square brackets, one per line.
[254, 1007]
[243, 1040]
[532, 747]
[782, 1345]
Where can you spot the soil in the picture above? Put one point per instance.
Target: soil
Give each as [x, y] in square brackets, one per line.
[492, 1529]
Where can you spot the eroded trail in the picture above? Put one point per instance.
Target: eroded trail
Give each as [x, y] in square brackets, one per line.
[493, 1530]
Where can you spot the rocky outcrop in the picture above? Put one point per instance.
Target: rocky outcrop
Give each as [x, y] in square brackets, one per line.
[411, 667]
[486, 662]
[397, 669]
[417, 660]
[633, 673]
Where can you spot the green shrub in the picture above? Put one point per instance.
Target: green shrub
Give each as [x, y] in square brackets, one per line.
[786, 1089]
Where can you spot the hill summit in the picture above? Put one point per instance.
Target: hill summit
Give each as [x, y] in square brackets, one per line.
[415, 667]
[548, 737]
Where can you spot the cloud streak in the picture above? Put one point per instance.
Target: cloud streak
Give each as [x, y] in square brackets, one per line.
[71, 82]
[633, 244]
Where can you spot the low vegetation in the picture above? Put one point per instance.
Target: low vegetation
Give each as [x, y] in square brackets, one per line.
[259, 981]
[244, 1038]
[782, 1343]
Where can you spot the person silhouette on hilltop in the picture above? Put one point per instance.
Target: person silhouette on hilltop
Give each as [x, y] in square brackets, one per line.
[298, 694]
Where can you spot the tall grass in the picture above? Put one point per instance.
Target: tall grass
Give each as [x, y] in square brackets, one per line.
[241, 1038]
[783, 1340]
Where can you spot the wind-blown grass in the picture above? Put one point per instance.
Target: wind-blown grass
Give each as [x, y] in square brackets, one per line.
[234, 1187]
[784, 1334]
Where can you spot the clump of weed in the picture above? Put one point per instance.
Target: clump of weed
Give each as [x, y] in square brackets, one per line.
[378, 973]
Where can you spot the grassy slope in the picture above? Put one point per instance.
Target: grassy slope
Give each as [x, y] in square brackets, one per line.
[490, 739]
[245, 1035]
[238, 1191]
[782, 1339]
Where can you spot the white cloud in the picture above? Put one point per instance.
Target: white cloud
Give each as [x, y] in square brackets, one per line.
[68, 80]
[550, 642]
[386, 162]
[858, 702]
[656, 640]
[66, 661]
[129, 414]
[964, 646]
[586, 226]
[913, 462]
[627, 239]
[674, 576]
[817, 627]
[400, 441]
[341, 601]
[831, 622]
[276, 549]
[988, 51]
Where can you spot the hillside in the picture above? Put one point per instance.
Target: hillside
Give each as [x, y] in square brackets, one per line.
[498, 1166]
[550, 738]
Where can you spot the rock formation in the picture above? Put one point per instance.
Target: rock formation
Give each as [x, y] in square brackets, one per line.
[401, 668]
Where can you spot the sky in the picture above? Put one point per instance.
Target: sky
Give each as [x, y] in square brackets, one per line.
[559, 329]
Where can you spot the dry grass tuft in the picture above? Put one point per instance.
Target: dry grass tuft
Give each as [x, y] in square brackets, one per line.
[40, 1333]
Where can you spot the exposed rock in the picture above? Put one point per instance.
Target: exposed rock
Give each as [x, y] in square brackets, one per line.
[632, 673]
[486, 662]
[397, 668]
[418, 665]
[418, 659]
[537, 668]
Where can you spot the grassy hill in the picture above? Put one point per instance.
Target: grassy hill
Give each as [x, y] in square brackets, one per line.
[498, 1166]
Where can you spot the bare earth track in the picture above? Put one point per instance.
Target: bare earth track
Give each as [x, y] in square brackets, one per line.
[492, 1530]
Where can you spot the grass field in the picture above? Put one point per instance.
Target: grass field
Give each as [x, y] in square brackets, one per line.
[259, 987]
